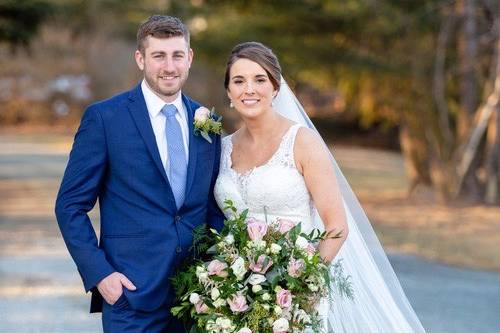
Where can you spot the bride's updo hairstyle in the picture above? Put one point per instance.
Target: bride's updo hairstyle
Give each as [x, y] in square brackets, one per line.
[259, 53]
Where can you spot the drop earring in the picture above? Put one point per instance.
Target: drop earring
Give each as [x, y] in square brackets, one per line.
[231, 104]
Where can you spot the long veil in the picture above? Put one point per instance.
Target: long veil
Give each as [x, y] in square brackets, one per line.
[379, 304]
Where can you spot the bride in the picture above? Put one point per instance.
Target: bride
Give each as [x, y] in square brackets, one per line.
[276, 165]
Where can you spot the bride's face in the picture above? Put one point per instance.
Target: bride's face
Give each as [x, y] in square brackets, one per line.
[250, 89]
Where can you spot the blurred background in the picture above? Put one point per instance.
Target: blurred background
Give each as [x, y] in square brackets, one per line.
[406, 93]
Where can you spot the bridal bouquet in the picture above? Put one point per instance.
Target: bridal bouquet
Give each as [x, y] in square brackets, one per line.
[254, 277]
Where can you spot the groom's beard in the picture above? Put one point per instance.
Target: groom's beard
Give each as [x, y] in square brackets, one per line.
[163, 87]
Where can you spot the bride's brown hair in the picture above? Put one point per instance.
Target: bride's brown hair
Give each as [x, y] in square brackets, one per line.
[259, 53]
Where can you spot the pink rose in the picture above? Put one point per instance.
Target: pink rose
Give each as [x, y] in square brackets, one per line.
[256, 229]
[310, 249]
[201, 114]
[284, 298]
[295, 267]
[238, 303]
[285, 225]
[218, 268]
[262, 265]
[201, 307]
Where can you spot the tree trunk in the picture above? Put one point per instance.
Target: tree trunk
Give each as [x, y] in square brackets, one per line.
[482, 120]
[439, 82]
[416, 161]
[493, 160]
[467, 48]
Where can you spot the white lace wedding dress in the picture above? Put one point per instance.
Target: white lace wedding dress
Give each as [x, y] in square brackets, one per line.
[275, 188]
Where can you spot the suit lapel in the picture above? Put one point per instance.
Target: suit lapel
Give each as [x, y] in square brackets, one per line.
[139, 112]
[193, 146]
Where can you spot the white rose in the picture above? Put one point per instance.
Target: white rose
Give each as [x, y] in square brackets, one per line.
[229, 239]
[224, 323]
[215, 293]
[194, 298]
[266, 297]
[281, 325]
[256, 288]
[275, 248]
[256, 279]
[278, 310]
[238, 268]
[201, 114]
[301, 242]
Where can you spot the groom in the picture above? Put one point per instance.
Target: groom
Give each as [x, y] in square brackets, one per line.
[136, 153]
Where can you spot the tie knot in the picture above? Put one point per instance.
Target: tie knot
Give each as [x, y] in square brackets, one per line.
[169, 110]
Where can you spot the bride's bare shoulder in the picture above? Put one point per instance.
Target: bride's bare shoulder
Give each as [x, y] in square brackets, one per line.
[307, 138]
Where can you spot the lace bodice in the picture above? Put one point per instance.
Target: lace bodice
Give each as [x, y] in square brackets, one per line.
[276, 188]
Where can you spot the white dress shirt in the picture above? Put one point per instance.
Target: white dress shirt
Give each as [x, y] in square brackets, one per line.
[154, 104]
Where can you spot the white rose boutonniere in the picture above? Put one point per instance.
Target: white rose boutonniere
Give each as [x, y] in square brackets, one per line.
[206, 122]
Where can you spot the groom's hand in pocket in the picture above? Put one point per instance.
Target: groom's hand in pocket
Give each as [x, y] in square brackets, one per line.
[111, 287]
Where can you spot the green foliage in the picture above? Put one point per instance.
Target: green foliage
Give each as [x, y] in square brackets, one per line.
[20, 20]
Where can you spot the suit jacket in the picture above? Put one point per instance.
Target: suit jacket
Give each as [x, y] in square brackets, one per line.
[115, 159]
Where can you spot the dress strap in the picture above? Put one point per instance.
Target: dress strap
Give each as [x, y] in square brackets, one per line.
[226, 149]
[287, 157]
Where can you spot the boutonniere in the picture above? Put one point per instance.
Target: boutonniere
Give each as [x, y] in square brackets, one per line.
[206, 122]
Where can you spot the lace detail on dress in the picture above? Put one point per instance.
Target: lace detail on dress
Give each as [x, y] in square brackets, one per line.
[274, 189]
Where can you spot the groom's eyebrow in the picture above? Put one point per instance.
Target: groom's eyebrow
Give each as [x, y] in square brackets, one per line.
[180, 52]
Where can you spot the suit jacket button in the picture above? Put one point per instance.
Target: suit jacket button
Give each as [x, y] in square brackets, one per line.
[177, 218]
[178, 249]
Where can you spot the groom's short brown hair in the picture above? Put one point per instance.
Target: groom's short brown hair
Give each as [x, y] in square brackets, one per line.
[161, 26]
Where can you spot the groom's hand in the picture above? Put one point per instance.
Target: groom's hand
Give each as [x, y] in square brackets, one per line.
[111, 287]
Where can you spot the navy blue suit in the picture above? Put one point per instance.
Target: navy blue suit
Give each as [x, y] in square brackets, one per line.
[115, 159]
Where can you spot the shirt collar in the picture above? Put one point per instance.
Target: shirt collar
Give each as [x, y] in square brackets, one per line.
[154, 103]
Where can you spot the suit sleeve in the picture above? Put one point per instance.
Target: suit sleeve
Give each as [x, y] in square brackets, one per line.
[78, 194]
[215, 217]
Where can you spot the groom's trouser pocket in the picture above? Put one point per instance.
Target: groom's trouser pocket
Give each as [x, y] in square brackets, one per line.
[121, 318]
[120, 303]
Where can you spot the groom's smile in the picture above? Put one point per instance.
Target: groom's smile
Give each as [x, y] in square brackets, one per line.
[165, 63]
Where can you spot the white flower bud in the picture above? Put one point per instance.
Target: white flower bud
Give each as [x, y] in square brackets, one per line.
[229, 239]
[215, 293]
[275, 248]
[194, 298]
[256, 288]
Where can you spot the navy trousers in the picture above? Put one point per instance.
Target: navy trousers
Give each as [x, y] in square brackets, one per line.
[120, 318]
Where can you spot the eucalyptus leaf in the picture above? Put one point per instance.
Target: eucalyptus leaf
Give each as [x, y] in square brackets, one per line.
[206, 136]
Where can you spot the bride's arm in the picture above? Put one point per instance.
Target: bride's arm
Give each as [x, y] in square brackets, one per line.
[313, 161]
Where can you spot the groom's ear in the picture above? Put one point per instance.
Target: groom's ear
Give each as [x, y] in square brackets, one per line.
[190, 56]
[139, 59]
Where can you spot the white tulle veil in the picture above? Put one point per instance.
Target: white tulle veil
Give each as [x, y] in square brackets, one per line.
[379, 303]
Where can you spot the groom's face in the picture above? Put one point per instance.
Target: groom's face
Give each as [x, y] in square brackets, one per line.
[165, 63]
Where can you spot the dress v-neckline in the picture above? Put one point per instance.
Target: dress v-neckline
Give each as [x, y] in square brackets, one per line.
[252, 169]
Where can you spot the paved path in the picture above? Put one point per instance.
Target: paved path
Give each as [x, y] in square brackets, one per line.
[40, 290]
